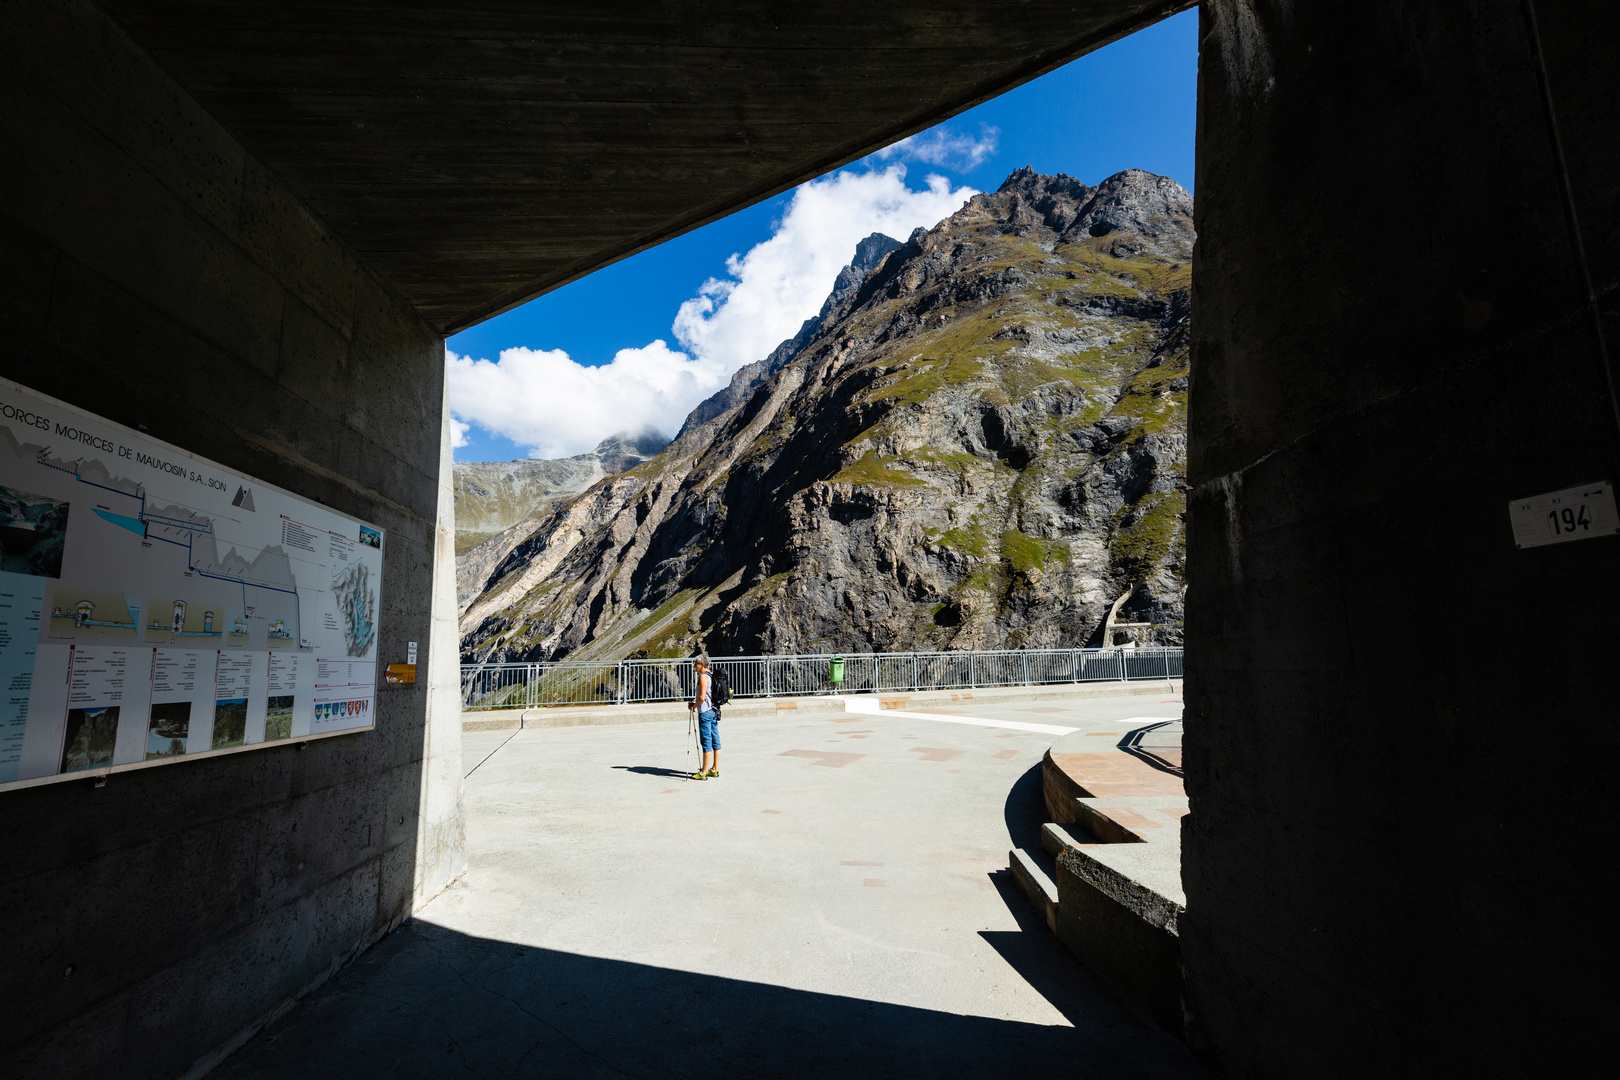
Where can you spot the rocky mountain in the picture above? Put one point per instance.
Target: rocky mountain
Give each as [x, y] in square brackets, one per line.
[500, 503]
[868, 253]
[978, 443]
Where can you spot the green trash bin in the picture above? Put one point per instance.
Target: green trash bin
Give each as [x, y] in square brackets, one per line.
[835, 670]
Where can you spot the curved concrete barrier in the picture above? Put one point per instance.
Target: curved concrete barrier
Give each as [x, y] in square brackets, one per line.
[1114, 895]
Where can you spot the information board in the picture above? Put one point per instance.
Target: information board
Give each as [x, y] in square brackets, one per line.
[155, 606]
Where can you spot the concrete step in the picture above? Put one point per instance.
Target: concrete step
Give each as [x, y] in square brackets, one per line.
[1132, 819]
[1082, 765]
[492, 720]
[1118, 911]
[1056, 837]
[1114, 896]
[1037, 884]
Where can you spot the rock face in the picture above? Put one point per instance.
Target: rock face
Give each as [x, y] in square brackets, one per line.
[500, 503]
[978, 443]
[868, 253]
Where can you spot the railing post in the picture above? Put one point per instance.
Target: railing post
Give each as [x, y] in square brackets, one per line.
[973, 670]
[1124, 667]
[1024, 655]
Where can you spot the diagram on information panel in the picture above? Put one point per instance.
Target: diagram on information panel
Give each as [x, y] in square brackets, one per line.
[223, 599]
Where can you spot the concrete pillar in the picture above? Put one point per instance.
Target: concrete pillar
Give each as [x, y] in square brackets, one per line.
[1407, 231]
[441, 849]
[153, 272]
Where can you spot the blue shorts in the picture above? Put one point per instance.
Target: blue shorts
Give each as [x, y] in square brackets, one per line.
[709, 729]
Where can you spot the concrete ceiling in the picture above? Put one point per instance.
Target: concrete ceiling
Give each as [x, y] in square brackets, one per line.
[479, 154]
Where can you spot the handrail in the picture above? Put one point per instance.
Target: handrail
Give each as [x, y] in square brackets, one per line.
[591, 682]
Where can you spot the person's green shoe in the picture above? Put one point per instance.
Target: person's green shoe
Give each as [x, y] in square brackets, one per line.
[712, 774]
[700, 776]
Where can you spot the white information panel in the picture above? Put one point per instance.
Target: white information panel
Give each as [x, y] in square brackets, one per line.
[155, 606]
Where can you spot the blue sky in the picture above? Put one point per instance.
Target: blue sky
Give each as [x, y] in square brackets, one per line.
[591, 345]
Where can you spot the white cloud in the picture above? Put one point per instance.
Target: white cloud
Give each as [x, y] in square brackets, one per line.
[946, 148]
[782, 281]
[544, 400]
[458, 430]
[558, 407]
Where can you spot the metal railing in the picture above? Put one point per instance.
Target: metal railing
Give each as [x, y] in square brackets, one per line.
[587, 682]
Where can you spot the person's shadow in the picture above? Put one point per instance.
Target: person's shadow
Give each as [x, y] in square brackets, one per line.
[652, 770]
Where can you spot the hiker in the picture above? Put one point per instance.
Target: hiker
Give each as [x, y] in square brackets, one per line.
[708, 720]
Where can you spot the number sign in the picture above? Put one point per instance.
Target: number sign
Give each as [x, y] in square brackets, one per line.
[1577, 513]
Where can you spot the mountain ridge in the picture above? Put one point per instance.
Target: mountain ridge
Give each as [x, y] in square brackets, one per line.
[979, 442]
[499, 503]
[868, 253]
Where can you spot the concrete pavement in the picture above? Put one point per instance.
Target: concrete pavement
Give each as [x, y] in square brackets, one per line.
[835, 904]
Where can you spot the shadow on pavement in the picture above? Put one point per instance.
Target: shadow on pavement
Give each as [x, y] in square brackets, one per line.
[1055, 973]
[1025, 810]
[1032, 950]
[656, 770]
[430, 1002]
[1156, 746]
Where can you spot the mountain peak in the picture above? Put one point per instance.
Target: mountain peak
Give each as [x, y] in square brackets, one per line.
[626, 449]
[1026, 181]
[870, 252]
[1155, 210]
[1136, 201]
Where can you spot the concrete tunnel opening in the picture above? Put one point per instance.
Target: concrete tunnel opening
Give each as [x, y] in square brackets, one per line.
[250, 251]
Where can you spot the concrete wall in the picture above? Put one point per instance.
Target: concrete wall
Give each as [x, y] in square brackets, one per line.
[154, 273]
[1398, 851]
[1124, 932]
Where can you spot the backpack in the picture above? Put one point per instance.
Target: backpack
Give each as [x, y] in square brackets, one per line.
[719, 688]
